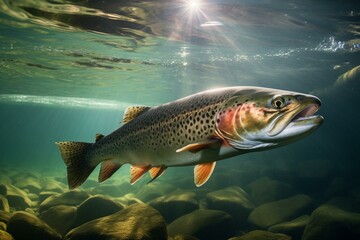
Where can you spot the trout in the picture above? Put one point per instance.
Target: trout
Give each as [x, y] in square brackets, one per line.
[196, 130]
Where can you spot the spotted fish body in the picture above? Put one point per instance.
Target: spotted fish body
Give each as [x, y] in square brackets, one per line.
[197, 130]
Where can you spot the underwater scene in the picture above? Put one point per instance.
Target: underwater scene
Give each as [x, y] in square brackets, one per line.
[179, 120]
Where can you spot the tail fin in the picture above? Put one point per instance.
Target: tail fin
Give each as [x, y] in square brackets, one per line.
[78, 166]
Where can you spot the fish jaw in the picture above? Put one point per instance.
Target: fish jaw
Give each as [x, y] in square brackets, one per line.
[267, 119]
[297, 122]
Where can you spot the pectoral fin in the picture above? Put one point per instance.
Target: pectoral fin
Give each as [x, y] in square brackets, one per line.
[137, 172]
[156, 172]
[108, 168]
[196, 147]
[202, 173]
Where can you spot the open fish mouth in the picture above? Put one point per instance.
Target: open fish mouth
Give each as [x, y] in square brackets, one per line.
[306, 113]
[302, 124]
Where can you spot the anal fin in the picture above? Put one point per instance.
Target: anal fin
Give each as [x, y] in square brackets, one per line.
[137, 172]
[202, 172]
[156, 172]
[108, 168]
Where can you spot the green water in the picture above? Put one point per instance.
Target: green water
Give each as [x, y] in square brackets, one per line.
[69, 69]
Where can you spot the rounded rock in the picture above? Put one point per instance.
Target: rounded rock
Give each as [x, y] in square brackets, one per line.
[332, 223]
[95, 207]
[60, 217]
[25, 226]
[204, 224]
[175, 204]
[136, 222]
[70, 198]
[233, 200]
[262, 235]
[5, 236]
[279, 211]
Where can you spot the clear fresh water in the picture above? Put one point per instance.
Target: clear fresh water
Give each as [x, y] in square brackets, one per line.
[68, 69]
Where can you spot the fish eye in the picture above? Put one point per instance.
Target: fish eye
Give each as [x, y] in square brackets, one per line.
[278, 102]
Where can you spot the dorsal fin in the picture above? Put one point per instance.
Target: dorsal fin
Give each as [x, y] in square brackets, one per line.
[133, 112]
[98, 136]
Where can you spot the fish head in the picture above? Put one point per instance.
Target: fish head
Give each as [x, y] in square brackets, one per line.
[262, 118]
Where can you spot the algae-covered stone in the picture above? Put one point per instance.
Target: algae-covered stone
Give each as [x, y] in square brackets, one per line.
[266, 190]
[2, 226]
[5, 236]
[293, 228]
[332, 223]
[16, 197]
[30, 183]
[262, 235]
[345, 203]
[4, 179]
[182, 237]
[313, 174]
[4, 216]
[233, 200]
[136, 222]
[44, 195]
[203, 224]
[25, 226]
[4, 204]
[279, 211]
[95, 207]
[154, 190]
[113, 190]
[61, 218]
[51, 185]
[71, 198]
[127, 200]
[175, 204]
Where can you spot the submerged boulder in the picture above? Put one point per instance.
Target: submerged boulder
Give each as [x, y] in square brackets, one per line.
[136, 222]
[25, 226]
[203, 224]
[4, 216]
[95, 207]
[113, 190]
[293, 228]
[30, 183]
[5, 236]
[51, 185]
[16, 197]
[71, 198]
[182, 237]
[233, 200]
[4, 204]
[2, 226]
[262, 235]
[279, 211]
[332, 223]
[266, 190]
[61, 218]
[154, 190]
[176, 204]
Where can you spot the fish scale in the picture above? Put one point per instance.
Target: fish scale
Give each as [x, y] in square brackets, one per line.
[196, 130]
